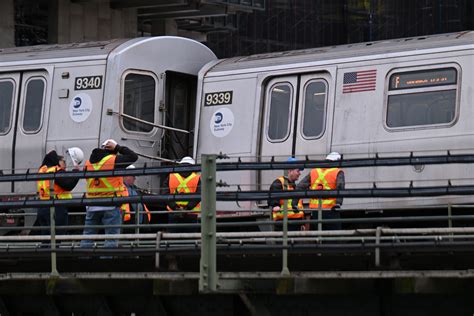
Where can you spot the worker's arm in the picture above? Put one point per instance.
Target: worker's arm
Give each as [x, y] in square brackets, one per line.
[125, 157]
[275, 186]
[340, 185]
[67, 184]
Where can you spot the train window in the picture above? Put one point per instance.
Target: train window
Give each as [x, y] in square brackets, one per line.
[34, 101]
[314, 109]
[279, 118]
[422, 98]
[139, 101]
[6, 101]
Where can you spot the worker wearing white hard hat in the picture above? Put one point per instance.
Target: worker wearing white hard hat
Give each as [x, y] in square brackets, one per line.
[183, 183]
[109, 156]
[76, 154]
[53, 162]
[325, 179]
[187, 160]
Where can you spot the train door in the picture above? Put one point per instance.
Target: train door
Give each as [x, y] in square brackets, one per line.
[297, 120]
[22, 130]
[9, 87]
[31, 126]
[180, 113]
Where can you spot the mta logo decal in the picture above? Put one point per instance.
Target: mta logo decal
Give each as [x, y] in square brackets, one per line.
[219, 117]
[77, 102]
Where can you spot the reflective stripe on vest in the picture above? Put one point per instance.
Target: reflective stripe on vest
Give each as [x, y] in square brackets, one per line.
[125, 208]
[323, 179]
[278, 215]
[43, 187]
[179, 185]
[104, 187]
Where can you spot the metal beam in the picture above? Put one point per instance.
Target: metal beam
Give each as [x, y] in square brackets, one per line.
[208, 269]
[123, 4]
[189, 12]
[254, 305]
[3, 309]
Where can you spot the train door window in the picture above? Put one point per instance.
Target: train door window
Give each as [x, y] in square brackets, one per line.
[6, 102]
[422, 98]
[34, 101]
[314, 114]
[279, 117]
[180, 113]
[139, 101]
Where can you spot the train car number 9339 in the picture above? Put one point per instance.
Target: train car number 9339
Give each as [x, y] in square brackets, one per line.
[218, 98]
[88, 83]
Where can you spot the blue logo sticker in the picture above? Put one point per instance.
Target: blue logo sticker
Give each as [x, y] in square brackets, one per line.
[77, 102]
[219, 117]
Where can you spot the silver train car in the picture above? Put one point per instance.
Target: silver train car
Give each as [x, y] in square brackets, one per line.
[60, 96]
[389, 98]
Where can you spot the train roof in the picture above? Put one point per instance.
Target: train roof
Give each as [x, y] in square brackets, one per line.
[357, 50]
[92, 50]
[86, 51]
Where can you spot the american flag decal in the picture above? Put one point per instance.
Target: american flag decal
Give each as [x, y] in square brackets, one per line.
[359, 81]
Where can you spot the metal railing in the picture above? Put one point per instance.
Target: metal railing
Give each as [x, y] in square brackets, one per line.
[211, 241]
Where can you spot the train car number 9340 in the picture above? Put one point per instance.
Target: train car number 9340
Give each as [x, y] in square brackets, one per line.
[88, 83]
[218, 98]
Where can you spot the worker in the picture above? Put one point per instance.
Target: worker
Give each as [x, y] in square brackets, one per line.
[325, 179]
[53, 162]
[110, 156]
[181, 183]
[129, 210]
[295, 206]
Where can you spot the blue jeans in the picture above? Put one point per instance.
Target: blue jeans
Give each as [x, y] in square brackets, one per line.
[108, 217]
[61, 219]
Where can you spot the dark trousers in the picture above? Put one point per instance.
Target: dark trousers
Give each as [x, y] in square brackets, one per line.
[327, 214]
[291, 227]
[184, 219]
[61, 219]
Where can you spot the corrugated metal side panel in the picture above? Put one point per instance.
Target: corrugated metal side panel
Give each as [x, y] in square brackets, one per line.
[344, 51]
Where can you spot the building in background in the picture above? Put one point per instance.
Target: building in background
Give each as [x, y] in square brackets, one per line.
[231, 27]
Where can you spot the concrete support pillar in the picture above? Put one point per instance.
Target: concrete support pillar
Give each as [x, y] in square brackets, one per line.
[76, 18]
[7, 24]
[104, 18]
[58, 22]
[130, 24]
[164, 27]
[89, 21]
[124, 23]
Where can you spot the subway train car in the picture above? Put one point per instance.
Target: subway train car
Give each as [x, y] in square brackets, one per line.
[60, 96]
[387, 98]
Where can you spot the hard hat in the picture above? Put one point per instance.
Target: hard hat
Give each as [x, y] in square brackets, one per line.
[76, 154]
[108, 140]
[130, 167]
[293, 159]
[187, 160]
[334, 156]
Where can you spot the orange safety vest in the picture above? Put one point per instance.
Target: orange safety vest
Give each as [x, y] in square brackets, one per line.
[125, 208]
[179, 185]
[104, 187]
[278, 215]
[43, 187]
[323, 179]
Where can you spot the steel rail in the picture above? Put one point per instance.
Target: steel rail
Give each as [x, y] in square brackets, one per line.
[235, 166]
[257, 234]
[250, 196]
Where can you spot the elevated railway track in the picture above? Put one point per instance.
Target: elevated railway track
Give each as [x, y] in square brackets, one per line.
[376, 265]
